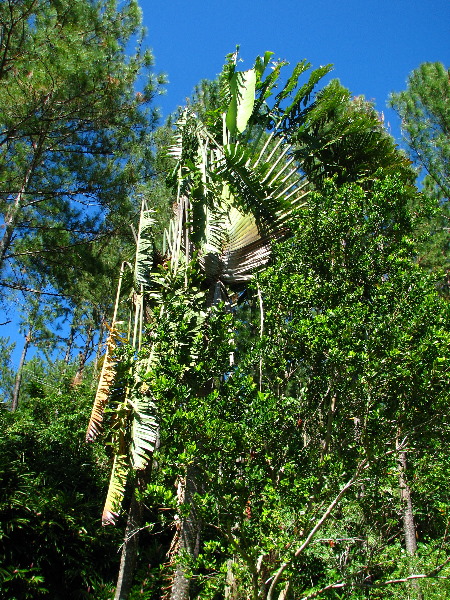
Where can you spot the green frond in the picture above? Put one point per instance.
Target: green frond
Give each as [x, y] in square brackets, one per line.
[242, 87]
[144, 246]
[144, 428]
[116, 489]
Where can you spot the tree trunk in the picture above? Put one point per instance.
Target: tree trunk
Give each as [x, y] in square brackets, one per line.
[131, 539]
[16, 392]
[188, 534]
[83, 356]
[409, 528]
[407, 507]
[130, 545]
[10, 222]
[230, 582]
[10, 219]
[69, 345]
[330, 417]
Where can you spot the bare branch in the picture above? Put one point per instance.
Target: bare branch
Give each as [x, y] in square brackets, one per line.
[341, 583]
[16, 286]
[362, 465]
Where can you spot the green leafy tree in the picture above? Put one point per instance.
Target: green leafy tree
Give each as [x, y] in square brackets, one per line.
[38, 325]
[6, 373]
[347, 337]
[235, 188]
[296, 448]
[425, 113]
[278, 410]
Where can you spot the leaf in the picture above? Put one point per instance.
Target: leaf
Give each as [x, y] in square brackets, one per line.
[144, 428]
[105, 384]
[242, 87]
[144, 247]
[261, 63]
[116, 488]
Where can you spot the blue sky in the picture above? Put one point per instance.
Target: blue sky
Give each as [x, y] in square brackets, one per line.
[372, 44]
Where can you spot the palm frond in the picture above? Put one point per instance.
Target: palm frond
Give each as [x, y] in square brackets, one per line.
[144, 246]
[144, 427]
[107, 374]
[242, 88]
[117, 483]
[104, 388]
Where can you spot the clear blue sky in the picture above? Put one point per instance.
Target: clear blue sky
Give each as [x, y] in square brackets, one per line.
[372, 44]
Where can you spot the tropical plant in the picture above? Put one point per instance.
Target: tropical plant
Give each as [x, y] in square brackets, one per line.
[236, 184]
[343, 137]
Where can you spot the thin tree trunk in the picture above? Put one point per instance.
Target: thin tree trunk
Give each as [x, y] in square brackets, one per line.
[409, 528]
[131, 539]
[10, 218]
[330, 416]
[284, 594]
[83, 356]
[131, 543]
[16, 392]
[230, 582]
[407, 507]
[188, 534]
[69, 345]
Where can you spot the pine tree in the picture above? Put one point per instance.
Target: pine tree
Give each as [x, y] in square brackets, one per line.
[74, 131]
[424, 108]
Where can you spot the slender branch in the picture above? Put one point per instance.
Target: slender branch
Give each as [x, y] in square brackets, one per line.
[362, 465]
[332, 586]
[433, 574]
[22, 288]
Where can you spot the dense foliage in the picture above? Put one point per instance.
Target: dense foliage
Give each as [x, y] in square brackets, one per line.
[52, 483]
[273, 397]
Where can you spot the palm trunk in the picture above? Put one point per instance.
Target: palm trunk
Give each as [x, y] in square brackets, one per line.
[16, 392]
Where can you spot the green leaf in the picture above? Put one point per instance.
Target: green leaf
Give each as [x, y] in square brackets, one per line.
[116, 489]
[242, 87]
[144, 429]
[144, 246]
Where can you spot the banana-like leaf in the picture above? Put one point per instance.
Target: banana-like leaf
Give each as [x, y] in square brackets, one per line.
[262, 191]
[104, 388]
[242, 87]
[144, 428]
[144, 247]
[116, 488]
